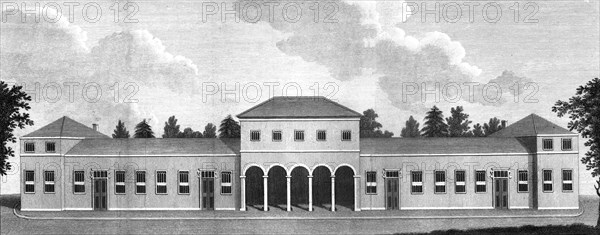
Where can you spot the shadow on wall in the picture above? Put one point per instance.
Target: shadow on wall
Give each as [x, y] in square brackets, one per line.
[9, 200]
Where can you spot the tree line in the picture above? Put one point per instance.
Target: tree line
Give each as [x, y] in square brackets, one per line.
[229, 128]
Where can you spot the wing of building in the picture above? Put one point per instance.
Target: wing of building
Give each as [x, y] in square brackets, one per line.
[300, 153]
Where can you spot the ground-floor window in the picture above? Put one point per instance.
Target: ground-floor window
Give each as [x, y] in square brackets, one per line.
[79, 182]
[140, 182]
[459, 181]
[29, 182]
[120, 182]
[161, 182]
[184, 182]
[440, 182]
[371, 182]
[416, 178]
[480, 182]
[523, 184]
[567, 176]
[49, 181]
[547, 181]
[226, 182]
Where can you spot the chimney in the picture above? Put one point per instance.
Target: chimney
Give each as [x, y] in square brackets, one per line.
[95, 126]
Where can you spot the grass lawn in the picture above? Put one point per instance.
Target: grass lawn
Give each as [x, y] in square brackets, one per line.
[10, 224]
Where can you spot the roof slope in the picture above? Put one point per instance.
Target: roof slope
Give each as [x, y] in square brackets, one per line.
[532, 125]
[66, 127]
[299, 107]
[152, 146]
[475, 145]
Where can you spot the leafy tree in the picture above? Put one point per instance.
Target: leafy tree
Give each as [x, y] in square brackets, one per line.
[370, 128]
[478, 130]
[493, 125]
[229, 128]
[120, 131]
[584, 112]
[210, 131]
[171, 128]
[411, 129]
[12, 101]
[189, 133]
[434, 124]
[458, 123]
[143, 130]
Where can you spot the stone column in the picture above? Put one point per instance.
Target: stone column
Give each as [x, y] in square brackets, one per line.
[243, 193]
[310, 193]
[289, 192]
[357, 193]
[333, 193]
[265, 192]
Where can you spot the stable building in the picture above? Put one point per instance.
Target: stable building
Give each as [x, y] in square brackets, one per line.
[300, 153]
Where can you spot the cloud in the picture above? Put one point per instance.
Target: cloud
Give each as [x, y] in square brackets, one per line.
[509, 82]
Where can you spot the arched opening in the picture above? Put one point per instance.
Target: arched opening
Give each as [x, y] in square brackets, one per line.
[277, 187]
[322, 187]
[344, 187]
[254, 187]
[299, 187]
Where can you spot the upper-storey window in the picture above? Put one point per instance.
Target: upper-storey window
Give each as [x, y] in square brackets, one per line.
[346, 135]
[321, 135]
[29, 147]
[547, 144]
[298, 135]
[567, 144]
[276, 135]
[50, 147]
[255, 135]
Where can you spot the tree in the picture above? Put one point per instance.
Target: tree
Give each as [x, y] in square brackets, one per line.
[143, 130]
[585, 118]
[411, 129]
[478, 130]
[493, 125]
[458, 123]
[189, 133]
[14, 104]
[210, 131]
[229, 128]
[120, 131]
[171, 128]
[434, 124]
[370, 128]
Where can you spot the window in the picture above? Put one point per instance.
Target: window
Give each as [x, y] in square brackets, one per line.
[547, 144]
[140, 182]
[120, 182]
[161, 182]
[547, 178]
[50, 147]
[459, 181]
[79, 182]
[346, 135]
[440, 182]
[371, 182]
[567, 177]
[254, 135]
[567, 144]
[226, 182]
[416, 178]
[321, 135]
[480, 183]
[299, 135]
[523, 183]
[29, 147]
[48, 181]
[184, 182]
[29, 182]
[392, 174]
[276, 135]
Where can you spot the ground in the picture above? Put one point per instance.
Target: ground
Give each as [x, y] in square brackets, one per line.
[275, 221]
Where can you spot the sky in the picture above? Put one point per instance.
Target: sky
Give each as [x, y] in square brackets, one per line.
[156, 59]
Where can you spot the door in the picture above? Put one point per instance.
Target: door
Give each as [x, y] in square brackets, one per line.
[208, 193]
[100, 199]
[391, 193]
[501, 193]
